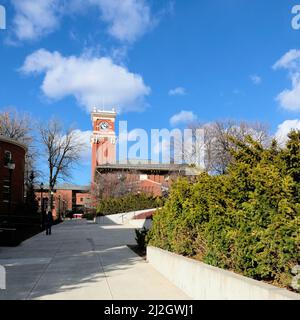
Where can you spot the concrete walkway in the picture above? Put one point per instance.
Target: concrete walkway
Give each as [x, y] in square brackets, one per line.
[82, 261]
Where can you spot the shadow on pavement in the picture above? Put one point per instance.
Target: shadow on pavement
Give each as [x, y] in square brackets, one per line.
[78, 254]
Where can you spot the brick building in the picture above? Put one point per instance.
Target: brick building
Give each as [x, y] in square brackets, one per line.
[145, 177]
[137, 176]
[66, 197]
[12, 168]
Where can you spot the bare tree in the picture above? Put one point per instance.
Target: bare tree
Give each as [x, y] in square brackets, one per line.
[16, 126]
[217, 143]
[63, 150]
[114, 184]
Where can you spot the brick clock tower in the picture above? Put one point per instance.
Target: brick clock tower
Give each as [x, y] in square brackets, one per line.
[103, 139]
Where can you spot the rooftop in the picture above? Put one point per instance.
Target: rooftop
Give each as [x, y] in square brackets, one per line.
[65, 186]
[184, 169]
[104, 113]
[12, 141]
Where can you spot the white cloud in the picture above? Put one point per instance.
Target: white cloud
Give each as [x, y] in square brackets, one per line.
[289, 61]
[92, 81]
[183, 117]
[284, 128]
[289, 99]
[35, 19]
[127, 19]
[84, 137]
[256, 79]
[179, 91]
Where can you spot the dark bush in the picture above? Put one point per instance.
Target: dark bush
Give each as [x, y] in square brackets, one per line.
[88, 216]
[141, 238]
[69, 214]
[15, 229]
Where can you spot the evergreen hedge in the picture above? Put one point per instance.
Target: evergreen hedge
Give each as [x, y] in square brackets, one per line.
[128, 203]
[247, 220]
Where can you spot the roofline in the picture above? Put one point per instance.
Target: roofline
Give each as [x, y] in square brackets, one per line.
[151, 181]
[181, 169]
[14, 142]
[143, 167]
[104, 113]
[65, 188]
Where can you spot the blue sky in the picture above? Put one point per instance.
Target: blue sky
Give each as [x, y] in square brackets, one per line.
[153, 60]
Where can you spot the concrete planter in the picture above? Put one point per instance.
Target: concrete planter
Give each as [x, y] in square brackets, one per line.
[204, 282]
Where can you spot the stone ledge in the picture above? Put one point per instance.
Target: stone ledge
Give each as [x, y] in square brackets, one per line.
[204, 282]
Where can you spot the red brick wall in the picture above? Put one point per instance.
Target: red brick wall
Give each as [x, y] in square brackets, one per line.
[64, 200]
[104, 151]
[63, 195]
[82, 198]
[17, 184]
[94, 160]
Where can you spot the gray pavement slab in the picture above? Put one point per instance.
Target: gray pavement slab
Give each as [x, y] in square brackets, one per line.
[82, 261]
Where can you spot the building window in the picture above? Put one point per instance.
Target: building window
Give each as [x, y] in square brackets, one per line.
[6, 191]
[7, 158]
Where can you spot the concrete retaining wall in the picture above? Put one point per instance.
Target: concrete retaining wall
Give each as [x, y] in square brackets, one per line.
[203, 282]
[141, 223]
[120, 218]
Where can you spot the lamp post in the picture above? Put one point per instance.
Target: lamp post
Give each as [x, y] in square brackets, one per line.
[42, 202]
[59, 208]
[42, 206]
[51, 200]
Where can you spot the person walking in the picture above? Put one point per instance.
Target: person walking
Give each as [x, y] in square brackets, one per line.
[49, 221]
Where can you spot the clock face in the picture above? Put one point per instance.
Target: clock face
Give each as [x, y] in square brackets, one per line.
[104, 125]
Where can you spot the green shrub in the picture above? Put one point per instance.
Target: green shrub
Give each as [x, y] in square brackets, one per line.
[247, 220]
[130, 202]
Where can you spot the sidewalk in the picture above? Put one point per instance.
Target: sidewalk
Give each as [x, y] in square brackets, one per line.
[82, 261]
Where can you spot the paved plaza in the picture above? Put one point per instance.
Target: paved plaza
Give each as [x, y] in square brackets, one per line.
[85, 261]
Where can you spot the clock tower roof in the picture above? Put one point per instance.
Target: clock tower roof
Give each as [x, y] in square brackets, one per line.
[96, 113]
